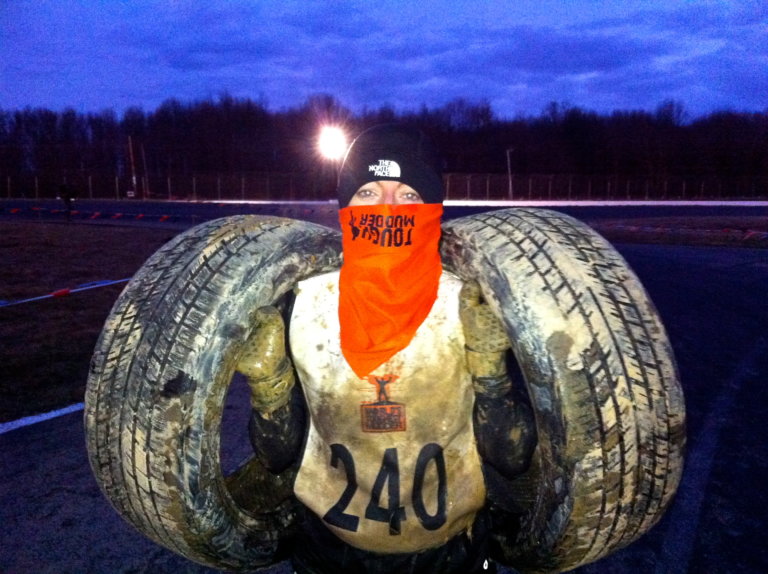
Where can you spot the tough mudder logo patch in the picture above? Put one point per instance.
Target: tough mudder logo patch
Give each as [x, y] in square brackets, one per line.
[382, 415]
[384, 231]
[385, 168]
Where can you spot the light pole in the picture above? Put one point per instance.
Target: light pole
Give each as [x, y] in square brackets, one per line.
[509, 171]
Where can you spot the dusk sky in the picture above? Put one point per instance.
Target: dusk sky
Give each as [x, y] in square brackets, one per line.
[517, 56]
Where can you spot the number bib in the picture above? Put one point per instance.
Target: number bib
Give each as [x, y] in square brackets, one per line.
[390, 463]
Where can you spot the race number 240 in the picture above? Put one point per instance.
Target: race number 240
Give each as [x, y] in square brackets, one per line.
[393, 513]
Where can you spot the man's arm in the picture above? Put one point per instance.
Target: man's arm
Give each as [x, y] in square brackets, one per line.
[277, 438]
[277, 422]
[504, 427]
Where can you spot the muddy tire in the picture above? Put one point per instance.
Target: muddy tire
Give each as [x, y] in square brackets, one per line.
[159, 378]
[600, 375]
[589, 344]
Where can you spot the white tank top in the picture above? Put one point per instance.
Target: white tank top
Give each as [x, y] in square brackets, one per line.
[390, 463]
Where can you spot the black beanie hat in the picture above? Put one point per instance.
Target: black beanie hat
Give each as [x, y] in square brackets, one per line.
[392, 152]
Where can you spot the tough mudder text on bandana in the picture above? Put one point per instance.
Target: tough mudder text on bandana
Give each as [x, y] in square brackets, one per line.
[388, 281]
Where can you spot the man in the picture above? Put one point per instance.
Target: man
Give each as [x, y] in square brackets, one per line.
[404, 377]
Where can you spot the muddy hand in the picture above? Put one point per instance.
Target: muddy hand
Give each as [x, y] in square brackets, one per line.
[486, 342]
[264, 363]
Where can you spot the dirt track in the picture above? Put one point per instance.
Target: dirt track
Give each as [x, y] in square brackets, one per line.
[712, 303]
[47, 343]
[703, 231]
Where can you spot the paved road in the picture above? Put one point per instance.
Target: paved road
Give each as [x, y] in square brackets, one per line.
[54, 518]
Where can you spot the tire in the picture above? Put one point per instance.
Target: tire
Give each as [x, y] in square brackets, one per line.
[596, 362]
[159, 378]
[600, 375]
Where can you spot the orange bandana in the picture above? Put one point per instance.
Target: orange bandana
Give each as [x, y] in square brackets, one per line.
[388, 281]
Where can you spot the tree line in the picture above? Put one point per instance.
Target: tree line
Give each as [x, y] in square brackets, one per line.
[232, 136]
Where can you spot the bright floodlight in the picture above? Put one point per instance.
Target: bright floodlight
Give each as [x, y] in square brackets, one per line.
[332, 142]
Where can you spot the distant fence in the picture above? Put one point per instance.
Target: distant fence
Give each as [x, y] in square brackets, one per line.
[303, 186]
[601, 187]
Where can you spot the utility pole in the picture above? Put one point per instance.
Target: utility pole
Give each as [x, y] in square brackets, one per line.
[133, 166]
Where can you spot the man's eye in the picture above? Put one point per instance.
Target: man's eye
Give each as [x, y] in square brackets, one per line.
[364, 193]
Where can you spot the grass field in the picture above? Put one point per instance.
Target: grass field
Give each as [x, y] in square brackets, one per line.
[47, 344]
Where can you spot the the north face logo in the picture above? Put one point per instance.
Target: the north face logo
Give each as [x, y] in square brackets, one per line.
[385, 168]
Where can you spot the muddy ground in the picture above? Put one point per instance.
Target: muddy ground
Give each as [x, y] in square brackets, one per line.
[47, 344]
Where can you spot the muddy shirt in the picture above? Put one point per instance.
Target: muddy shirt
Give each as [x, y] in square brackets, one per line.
[390, 463]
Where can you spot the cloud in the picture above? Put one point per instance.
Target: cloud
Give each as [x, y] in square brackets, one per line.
[518, 57]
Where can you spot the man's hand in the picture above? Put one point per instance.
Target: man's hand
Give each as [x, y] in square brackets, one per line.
[264, 363]
[486, 342]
